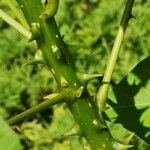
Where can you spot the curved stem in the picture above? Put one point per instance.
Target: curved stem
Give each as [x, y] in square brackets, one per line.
[58, 98]
[15, 24]
[103, 90]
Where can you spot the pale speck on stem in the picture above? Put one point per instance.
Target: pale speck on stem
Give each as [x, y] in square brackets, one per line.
[54, 48]
[75, 84]
[104, 145]
[90, 105]
[95, 122]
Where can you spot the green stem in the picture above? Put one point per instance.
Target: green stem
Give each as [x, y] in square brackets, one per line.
[103, 90]
[17, 13]
[61, 97]
[97, 137]
[50, 37]
[15, 24]
[97, 134]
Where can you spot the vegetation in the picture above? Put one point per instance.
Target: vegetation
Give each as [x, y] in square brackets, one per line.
[61, 85]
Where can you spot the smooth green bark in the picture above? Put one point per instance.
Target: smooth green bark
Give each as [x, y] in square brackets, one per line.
[103, 90]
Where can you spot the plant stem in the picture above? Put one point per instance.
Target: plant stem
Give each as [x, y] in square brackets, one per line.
[18, 13]
[103, 90]
[82, 108]
[15, 24]
[61, 97]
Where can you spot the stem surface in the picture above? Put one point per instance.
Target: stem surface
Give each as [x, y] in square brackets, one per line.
[61, 97]
[103, 90]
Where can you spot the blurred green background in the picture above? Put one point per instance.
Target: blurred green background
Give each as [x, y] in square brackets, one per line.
[89, 25]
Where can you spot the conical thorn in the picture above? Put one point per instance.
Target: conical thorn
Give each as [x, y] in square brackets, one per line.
[132, 16]
[48, 97]
[120, 146]
[75, 131]
[32, 62]
[129, 138]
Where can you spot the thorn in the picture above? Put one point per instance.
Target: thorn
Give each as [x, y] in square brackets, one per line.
[98, 125]
[63, 36]
[38, 55]
[75, 131]
[64, 82]
[132, 16]
[107, 107]
[73, 134]
[87, 147]
[18, 128]
[129, 138]
[73, 49]
[48, 97]
[120, 146]
[79, 91]
[87, 77]
[32, 62]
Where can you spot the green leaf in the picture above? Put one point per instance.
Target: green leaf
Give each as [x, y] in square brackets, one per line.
[8, 139]
[124, 136]
[130, 100]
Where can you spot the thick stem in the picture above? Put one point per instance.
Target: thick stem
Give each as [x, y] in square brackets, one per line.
[98, 136]
[103, 90]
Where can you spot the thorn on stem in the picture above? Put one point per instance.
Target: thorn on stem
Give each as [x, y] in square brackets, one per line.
[129, 138]
[132, 16]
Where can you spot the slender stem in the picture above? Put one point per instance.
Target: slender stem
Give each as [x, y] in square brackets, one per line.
[15, 24]
[61, 97]
[103, 90]
[18, 13]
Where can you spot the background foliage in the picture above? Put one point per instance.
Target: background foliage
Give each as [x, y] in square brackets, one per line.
[89, 27]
